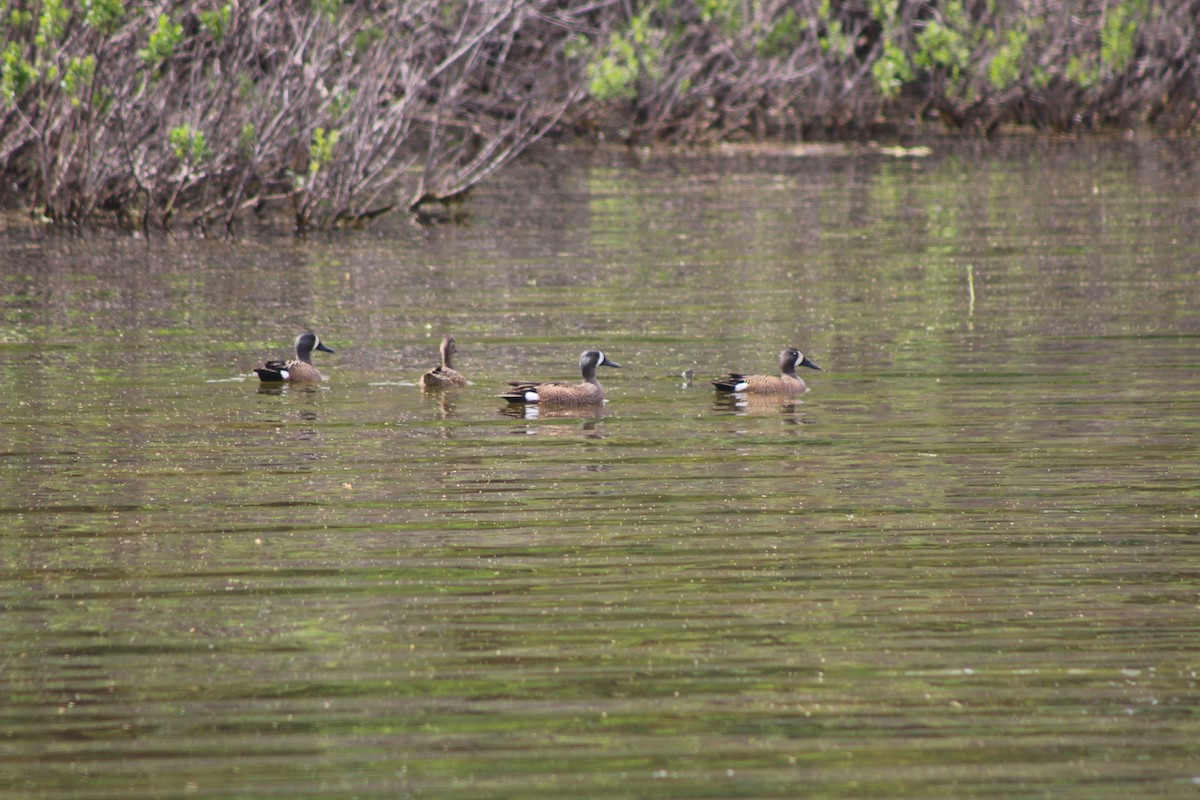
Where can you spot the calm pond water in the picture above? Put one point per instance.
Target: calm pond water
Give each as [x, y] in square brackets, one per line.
[965, 564]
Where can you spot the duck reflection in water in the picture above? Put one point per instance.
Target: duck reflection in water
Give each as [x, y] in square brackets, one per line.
[557, 421]
[443, 403]
[441, 406]
[751, 405]
[281, 388]
[553, 412]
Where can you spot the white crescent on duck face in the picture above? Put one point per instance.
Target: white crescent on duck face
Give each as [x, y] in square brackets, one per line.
[299, 369]
[590, 392]
[787, 382]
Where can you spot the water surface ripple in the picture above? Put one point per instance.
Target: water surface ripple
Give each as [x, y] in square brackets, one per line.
[963, 565]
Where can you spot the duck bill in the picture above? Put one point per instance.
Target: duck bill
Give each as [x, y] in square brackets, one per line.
[321, 346]
[607, 363]
[809, 364]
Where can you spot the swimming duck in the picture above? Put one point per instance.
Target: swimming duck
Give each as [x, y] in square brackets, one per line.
[299, 369]
[590, 392]
[787, 382]
[444, 375]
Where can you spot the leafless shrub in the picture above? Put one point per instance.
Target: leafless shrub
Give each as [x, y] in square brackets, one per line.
[337, 111]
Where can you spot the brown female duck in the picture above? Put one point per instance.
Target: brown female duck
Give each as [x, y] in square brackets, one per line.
[445, 375]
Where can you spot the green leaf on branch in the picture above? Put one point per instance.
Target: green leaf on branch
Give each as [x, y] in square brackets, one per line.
[189, 144]
[166, 37]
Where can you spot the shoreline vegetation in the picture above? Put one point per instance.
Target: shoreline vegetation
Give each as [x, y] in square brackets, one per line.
[160, 114]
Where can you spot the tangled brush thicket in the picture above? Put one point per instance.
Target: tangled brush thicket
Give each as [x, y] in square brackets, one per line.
[338, 111]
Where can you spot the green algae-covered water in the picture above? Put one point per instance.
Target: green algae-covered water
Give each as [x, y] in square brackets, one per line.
[964, 564]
